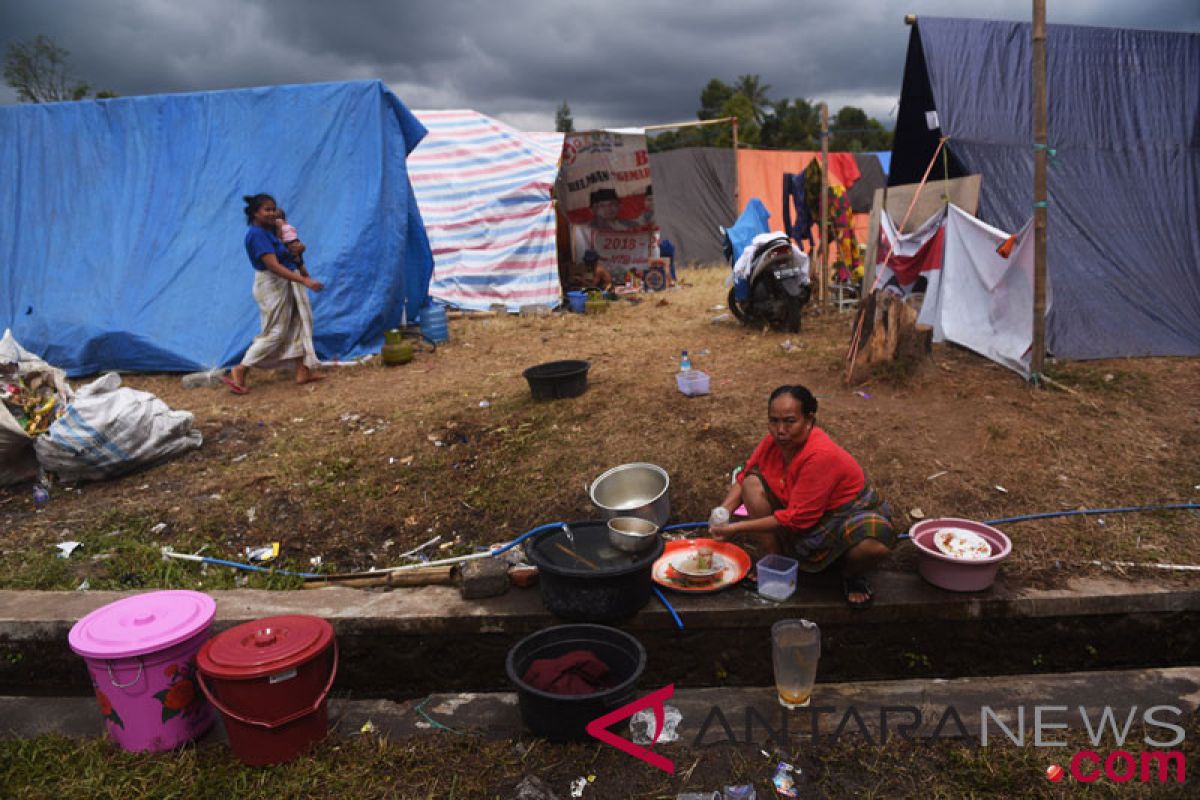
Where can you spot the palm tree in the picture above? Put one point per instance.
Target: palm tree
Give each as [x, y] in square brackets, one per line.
[752, 88]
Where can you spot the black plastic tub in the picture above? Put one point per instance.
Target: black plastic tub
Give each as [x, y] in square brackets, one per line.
[564, 717]
[557, 379]
[589, 580]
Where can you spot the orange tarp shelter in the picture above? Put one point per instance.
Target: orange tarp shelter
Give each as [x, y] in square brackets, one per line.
[760, 174]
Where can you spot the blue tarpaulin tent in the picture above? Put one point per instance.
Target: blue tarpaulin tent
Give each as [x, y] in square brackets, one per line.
[1123, 243]
[121, 224]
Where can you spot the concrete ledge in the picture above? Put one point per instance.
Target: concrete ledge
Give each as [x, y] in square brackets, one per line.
[410, 642]
[497, 715]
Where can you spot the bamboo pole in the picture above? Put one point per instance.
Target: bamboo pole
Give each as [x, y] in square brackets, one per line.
[1039, 189]
[737, 195]
[823, 250]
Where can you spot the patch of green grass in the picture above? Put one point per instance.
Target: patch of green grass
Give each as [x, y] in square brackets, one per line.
[122, 551]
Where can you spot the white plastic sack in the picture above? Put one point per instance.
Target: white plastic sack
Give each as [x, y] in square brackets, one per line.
[110, 429]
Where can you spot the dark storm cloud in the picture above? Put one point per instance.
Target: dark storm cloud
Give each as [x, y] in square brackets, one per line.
[619, 62]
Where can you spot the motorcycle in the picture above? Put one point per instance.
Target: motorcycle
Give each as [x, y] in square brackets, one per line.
[770, 283]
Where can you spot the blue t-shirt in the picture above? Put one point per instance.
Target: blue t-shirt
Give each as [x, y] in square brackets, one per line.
[259, 242]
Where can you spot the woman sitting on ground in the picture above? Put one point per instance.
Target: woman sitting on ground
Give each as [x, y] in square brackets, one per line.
[284, 309]
[808, 498]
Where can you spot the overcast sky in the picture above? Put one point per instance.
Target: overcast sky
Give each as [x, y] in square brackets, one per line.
[616, 62]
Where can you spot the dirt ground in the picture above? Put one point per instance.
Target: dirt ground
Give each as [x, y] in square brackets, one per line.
[374, 460]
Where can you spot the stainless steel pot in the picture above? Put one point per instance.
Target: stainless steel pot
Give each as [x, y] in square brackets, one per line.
[631, 534]
[633, 490]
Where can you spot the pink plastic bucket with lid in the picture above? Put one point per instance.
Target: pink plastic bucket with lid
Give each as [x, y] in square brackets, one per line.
[141, 655]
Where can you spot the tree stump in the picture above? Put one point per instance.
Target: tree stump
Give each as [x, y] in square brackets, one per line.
[886, 338]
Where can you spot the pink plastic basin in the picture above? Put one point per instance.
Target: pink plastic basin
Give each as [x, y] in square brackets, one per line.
[141, 656]
[958, 574]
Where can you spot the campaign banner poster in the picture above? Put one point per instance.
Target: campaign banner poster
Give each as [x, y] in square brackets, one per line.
[606, 191]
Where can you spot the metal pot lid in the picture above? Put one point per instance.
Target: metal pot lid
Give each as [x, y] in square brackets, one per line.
[265, 646]
[141, 624]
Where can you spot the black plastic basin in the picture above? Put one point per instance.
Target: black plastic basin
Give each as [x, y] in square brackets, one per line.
[588, 579]
[557, 379]
[564, 717]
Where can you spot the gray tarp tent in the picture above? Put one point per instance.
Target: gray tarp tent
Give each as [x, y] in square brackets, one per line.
[1124, 182]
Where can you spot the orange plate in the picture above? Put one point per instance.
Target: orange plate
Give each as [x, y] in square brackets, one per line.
[736, 565]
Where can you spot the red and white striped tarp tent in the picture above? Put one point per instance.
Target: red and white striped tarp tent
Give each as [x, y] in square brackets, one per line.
[484, 193]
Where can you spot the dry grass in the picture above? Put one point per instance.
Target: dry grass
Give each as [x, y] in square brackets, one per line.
[351, 469]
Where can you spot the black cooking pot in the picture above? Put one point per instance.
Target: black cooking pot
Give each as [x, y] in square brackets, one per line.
[584, 578]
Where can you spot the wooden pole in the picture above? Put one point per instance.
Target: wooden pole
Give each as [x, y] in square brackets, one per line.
[823, 250]
[737, 198]
[1039, 189]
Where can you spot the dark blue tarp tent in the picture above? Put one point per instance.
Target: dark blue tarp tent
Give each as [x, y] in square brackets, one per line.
[1123, 241]
[121, 225]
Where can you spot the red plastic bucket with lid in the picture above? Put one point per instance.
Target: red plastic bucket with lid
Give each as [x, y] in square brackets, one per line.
[141, 656]
[270, 679]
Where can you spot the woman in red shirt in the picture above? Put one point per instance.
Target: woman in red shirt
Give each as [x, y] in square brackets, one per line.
[809, 498]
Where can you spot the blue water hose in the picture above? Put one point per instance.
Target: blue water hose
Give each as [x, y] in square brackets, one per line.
[663, 599]
[1084, 512]
[220, 562]
[1022, 518]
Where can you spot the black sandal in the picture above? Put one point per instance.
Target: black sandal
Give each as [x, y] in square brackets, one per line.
[857, 584]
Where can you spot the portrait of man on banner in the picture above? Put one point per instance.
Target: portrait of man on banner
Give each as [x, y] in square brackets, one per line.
[606, 191]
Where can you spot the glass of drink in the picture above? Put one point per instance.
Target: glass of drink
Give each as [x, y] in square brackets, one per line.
[795, 650]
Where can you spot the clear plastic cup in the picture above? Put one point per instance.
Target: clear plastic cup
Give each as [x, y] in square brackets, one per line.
[795, 651]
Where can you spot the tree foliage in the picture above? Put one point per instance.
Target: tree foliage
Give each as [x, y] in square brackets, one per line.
[563, 121]
[784, 124]
[39, 71]
[753, 89]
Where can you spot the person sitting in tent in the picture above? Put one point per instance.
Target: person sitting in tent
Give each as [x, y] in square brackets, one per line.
[284, 308]
[591, 274]
[808, 498]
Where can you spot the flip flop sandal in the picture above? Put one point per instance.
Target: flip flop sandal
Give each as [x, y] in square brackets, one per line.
[857, 585]
[234, 386]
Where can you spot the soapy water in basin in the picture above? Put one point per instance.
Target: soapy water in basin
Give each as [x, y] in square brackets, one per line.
[588, 542]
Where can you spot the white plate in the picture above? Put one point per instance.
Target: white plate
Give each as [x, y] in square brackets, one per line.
[961, 543]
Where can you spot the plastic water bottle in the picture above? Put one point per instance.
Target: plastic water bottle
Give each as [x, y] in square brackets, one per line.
[202, 380]
[685, 363]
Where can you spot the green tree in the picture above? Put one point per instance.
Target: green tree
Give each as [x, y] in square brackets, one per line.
[748, 130]
[753, 89]
[38, 70]
[855, 132]
[713, 98]
[563, 122]
[792, 125]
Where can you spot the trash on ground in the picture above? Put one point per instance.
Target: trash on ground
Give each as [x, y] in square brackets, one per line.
[938, 474]
[83, 586]
[65, 549]
[266, 552]
[158, 527]
[641, 725]
[1000, 488]
[785, 780]
[367, 727]
[484, 404]
[579, 784]
[863, 395]
[916, 513]
[532, 787]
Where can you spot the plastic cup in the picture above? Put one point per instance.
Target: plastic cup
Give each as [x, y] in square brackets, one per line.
[795, 651]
